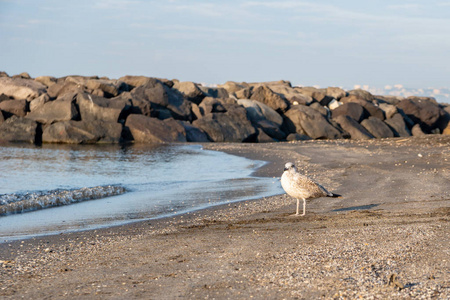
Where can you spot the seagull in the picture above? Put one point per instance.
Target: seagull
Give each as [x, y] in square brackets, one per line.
[302, 187]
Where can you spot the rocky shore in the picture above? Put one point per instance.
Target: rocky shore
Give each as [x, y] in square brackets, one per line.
[387, 238]
[80, 109]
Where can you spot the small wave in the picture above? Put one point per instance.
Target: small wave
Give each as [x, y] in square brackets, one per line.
[19, 203]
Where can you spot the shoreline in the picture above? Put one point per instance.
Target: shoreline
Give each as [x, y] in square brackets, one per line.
[254, 248]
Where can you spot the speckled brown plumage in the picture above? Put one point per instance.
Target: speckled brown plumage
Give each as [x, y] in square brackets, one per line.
[301, 186]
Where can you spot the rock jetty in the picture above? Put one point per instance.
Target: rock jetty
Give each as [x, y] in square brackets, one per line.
[140, 109]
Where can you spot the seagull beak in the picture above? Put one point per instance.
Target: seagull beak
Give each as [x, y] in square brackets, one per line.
[286, 169]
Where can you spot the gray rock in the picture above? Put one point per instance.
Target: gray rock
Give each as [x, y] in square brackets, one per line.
[190, 90]
[214, 92]
[20, 89]
[96, 108]
[82, 132]
[316, 94]
[356, 130]
[335, 92]
[421, 111]
[135, 81]
[308, 121]
[271, 129]
[194, 134]
[232, 87]
[389, 109]
[19, 130]
[394, 100]
[265, 95]
[377, 128]
[55, 111]
[155, 94]
[373, 110]
[61, 88]
[258, 111]
[398, 125]
[14, 107]
[297, 137]
[317, 106]
[151, 130]
[292, 95]
[39, 101]
[108, 87]
[48, 81]
[262, 137]
[362, 94]
[211, 105]
[351, 109]
[417, 130]
[244, 93]
[231, 126]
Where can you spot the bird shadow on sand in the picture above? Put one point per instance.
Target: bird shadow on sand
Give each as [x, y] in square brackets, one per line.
[361, 207]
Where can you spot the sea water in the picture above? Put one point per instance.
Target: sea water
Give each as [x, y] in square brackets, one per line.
[57, 188]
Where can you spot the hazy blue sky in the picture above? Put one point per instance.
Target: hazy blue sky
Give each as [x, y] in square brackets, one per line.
[326, 43]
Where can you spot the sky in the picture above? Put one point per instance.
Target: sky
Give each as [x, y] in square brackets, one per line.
[324, 43]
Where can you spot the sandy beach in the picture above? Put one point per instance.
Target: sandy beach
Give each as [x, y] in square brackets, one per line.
[386, 238]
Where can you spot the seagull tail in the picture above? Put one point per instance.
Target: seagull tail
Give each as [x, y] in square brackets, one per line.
[333, 195]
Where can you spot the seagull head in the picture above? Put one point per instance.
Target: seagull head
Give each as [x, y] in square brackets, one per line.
[288, 166]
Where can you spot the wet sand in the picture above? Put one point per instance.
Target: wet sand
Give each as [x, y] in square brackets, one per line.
[386, 238]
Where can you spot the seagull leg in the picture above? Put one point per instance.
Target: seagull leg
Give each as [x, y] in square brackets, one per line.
[304, 207]
[298, 205]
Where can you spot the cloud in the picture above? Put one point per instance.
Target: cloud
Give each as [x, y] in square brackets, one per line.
[115, 4]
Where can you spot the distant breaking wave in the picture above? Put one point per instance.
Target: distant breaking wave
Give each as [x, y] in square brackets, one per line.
[19, 203]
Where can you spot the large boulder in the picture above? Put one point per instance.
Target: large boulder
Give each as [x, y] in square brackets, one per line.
[271, 129]
[351, 109]
[211, 105]
[194, 134]
[350, 125]
[232, 87]
[258, 111]
[82, 132]
[151, 130]
[19, 88]
[306, 120]
[215, 92]
[377, 128]
[48, 81]
[320, 108]
[292, 95]
[373, 110]
[135, 81]
[190, 90]
[62, 88]
[39, 101]
[362, 94]
[416, 130]
[109, 88]
[398, 125]
[335, 92]
[16, 129]
[389, 109]
[155, 94]
[244, 93]
[55, 111]
[265, 95]
[421, 111]
[320, 95]
[97, 108]
[230, 126]
[14, 107]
